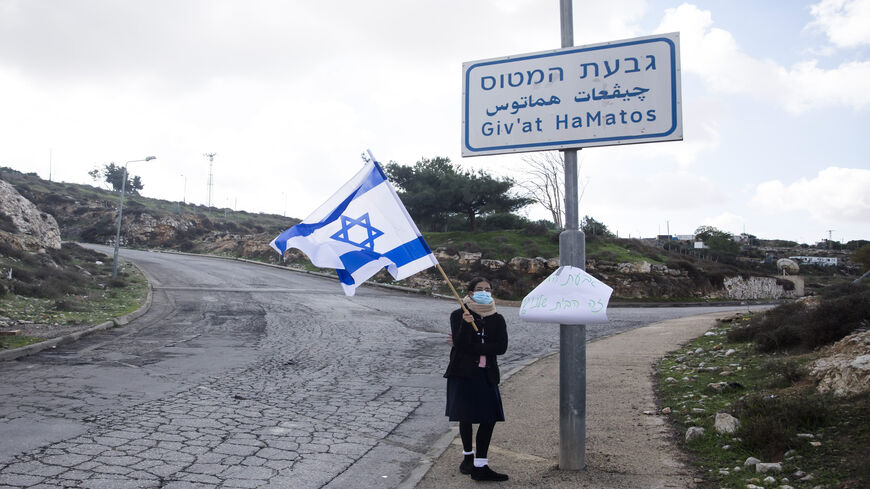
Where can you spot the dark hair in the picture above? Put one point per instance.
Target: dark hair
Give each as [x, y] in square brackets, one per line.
[476, 280]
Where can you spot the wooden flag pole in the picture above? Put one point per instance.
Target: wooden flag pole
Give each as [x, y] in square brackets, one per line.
[461, 304]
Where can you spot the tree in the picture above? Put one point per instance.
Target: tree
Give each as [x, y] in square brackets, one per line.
[114, 176]
[594, 229]
[433, 191]
[862, 256]
[544, 183]
[717, 240]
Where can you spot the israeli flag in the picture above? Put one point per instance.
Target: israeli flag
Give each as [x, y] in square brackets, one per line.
[361, 229]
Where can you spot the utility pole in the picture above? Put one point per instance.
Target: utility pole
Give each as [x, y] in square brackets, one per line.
[829, 238]
[210, 157]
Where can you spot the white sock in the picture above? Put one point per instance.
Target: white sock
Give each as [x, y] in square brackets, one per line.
[480, 462]
[468, 453]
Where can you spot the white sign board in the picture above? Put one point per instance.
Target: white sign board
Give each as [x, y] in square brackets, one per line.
[620, 92]
[568, 296]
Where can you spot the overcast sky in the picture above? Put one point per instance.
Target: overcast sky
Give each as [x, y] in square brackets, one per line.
[775, 97]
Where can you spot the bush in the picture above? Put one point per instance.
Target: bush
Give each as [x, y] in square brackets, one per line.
[785, 373]
[68, 305]
[501, 220]
[769, 424]
[117, 283]
[537, 228]
[470, 246]
[793, 326]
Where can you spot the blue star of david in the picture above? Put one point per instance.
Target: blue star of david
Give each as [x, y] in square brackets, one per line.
[363, 221]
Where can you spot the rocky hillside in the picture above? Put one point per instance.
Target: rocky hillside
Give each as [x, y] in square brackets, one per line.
[89, 214]
[636, 270]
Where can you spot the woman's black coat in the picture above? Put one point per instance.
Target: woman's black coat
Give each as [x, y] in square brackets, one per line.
[469, 345]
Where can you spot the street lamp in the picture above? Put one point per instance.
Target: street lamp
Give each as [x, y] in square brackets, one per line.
[120, 211]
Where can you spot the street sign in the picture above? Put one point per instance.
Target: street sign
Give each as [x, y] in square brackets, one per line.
[620, 92]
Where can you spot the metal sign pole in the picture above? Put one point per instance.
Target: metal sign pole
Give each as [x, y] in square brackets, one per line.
[572, 337]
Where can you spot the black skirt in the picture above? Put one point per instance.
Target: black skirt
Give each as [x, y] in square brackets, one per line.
[473, 400]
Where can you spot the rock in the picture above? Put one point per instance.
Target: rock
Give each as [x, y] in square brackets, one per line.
[763, 468]
[666, 410]
[718, 386]
[442, 254]
[467, 257]
[35, 229]
[492, 264]
[725, 423]
[638, 267]
[751, 461]
[789, 267]
[845, 370]
[671, 380]
[730, 352]
[769, 480]
[694, 433]
[528, 265]
[754, 288]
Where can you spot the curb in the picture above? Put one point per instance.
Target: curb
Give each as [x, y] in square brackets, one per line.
[53, 342]
[399, 288]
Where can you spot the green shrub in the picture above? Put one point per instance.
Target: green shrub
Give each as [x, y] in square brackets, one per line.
[769, 424]
[794, 326]
[785, 373]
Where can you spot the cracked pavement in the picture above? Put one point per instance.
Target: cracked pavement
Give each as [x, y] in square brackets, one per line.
[244, 376]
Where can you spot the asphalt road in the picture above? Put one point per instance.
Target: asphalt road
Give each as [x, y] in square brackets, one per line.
[242, 375]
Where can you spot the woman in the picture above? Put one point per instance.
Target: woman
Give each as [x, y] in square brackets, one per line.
[473, 376]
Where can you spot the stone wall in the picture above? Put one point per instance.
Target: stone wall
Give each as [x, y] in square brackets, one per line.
[755, 288]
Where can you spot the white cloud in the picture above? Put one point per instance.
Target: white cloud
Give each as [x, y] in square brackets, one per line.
[620, 188]
[726, 221]
[845, 22]
[835, 194]
[714, 55]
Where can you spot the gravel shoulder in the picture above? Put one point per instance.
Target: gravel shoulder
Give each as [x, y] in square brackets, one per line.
[625, 448]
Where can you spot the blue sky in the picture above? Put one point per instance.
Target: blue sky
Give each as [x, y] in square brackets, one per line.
[775, 94]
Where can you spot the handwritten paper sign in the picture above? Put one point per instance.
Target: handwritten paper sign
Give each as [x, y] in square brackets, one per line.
[568, 296]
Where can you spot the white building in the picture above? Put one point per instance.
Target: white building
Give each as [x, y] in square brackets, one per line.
[815, 260]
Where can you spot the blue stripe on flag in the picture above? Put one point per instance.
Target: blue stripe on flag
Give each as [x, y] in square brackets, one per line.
[400, 255]
[408, 252]
[373, 179]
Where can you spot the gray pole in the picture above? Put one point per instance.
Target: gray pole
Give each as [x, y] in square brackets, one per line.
[121, 211]
[118, 232]
[572, 337]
